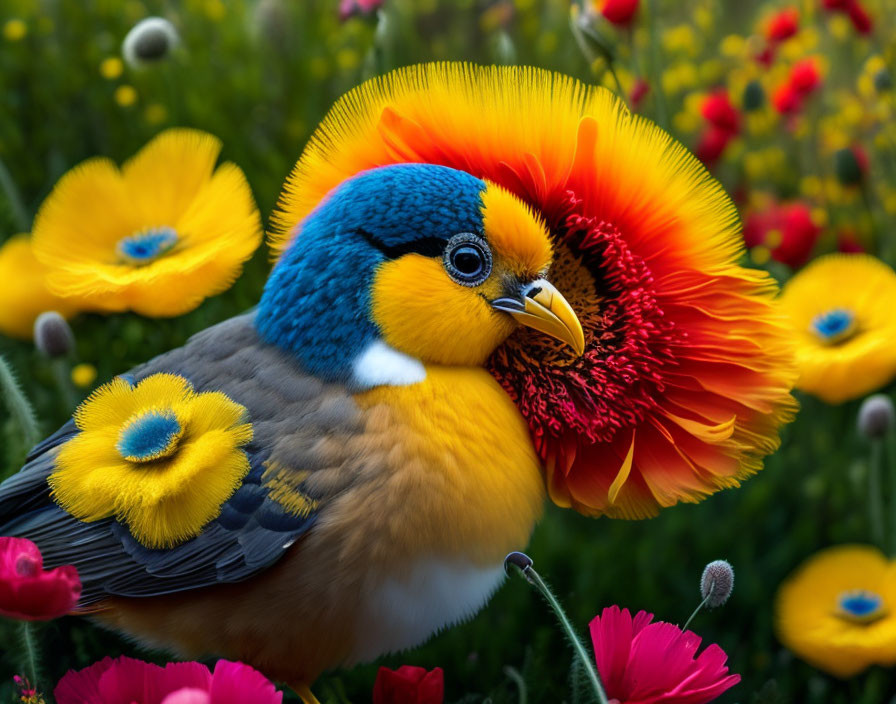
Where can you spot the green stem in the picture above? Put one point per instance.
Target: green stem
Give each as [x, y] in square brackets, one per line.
[16, 205]
[520, 683]
[891, 447]
[62, 377]
[18, 404]
[875, 498]
[662, 112]
[535, 580]
[32, 672]
[699, 606]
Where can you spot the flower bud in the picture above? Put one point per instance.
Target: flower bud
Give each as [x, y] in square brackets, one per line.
[717, 582]
[517, 559]
[149, 41]
[876, 416]
[883, 81]
[850, 165]
[753, 97]
[52, 335]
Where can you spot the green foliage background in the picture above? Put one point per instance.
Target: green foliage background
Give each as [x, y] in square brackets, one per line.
[260, 75]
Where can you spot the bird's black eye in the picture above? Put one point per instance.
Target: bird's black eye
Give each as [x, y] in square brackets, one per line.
[468, 259]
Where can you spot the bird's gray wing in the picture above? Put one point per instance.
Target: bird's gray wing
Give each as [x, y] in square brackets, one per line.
[267, 514]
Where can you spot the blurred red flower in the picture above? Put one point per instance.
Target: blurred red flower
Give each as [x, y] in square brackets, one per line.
[654, 663]
[718, 111]
[639, 92]
[29, 592]
[620, 12]
[126, 680]
[783, 25]
[723, 125]
[860, 18]
[803, 80]
[408, 685]
[848, 242]
[787, 229]
[349, 8]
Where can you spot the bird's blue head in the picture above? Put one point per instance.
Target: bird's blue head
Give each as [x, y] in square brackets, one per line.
[406, 265]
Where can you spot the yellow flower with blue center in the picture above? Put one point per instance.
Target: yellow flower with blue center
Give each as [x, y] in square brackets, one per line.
[841, 308]
[157, 456]
[838, 610]
[157, 236]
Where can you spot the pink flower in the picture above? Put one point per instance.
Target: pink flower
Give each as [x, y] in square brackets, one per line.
[654, 663]
[129, 681]
[350, 8]
[28, 591]
[408, 685]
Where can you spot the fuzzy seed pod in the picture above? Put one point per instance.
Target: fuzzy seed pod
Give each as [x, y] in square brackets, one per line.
[717, 582]
[876, 416]
[52, 335]
[149, 41]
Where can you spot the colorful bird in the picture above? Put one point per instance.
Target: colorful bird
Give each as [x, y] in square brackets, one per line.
[493, 285]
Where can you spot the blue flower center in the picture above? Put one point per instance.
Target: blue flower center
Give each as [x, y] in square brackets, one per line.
[149, 436]
[834, 326]
[146, 246]
[861, 605]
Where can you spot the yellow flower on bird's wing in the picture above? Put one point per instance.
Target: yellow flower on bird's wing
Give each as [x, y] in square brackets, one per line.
[156, 236]
[841, 307]
[838, 610]
[24, 294]
[157, 456]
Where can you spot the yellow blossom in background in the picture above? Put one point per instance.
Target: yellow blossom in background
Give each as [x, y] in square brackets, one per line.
[733, 46]
[157, 456]
[155, 113]
[841, 309]
[838, 610]
[14, 30]
[125, 96]
[83, 375]
[111, 68]
[24, 294]
[156, 236]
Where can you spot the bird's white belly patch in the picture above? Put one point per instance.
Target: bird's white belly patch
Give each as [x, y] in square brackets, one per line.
[382, 365]
[402, 613]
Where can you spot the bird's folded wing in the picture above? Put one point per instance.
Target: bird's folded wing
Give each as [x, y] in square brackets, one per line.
[297, 422]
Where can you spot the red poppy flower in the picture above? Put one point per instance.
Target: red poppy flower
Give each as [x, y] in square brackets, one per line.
[29, 592]
[620, 12]
[126, 680]
[783, 25]
[409, 685]
[712, 144]
[805, 77]
[848, 242]
[719, 112]
[655, 663]
[857, 14]
[787, 229]
[786, 100]
[639, 92]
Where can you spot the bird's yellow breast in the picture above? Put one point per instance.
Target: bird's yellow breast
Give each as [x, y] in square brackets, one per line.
[462, 477]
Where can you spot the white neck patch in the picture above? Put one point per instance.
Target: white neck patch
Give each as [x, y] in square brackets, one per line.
[382, 365]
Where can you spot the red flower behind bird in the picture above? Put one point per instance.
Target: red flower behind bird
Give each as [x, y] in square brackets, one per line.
[29, 592]
[783, 25]
[723, 125]
[853, 9]
[787, 229]
[655, 663]
[128, 681]
[620, 12]
[804, 79]
[409, 685]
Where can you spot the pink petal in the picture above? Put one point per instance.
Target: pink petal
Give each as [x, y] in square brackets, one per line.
[237, 683]
[188, 695]
[129, 681]
[82, 686]
[611, 636]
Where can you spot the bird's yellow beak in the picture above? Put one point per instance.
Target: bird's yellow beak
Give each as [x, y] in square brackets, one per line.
[542, 307]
